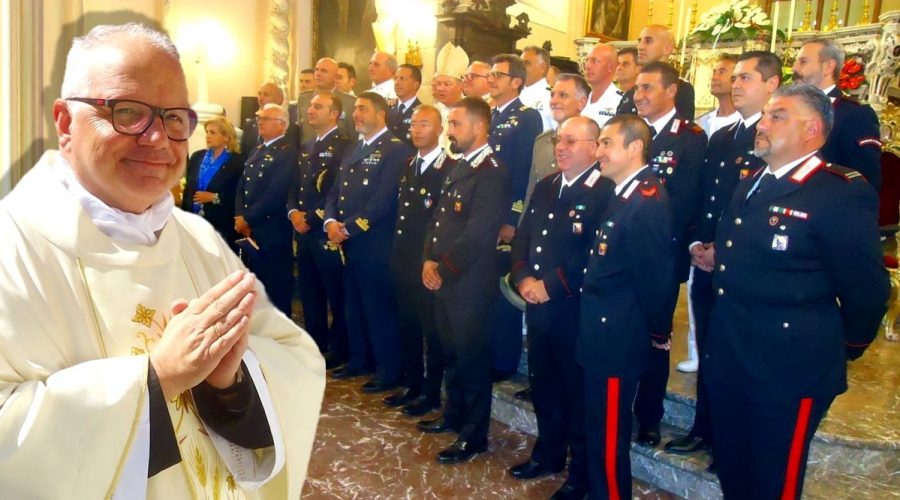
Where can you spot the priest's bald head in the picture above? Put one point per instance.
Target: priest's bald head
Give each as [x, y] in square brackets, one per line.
[123, 118]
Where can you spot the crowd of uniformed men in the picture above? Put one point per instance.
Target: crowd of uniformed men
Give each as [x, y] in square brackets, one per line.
[598, 196]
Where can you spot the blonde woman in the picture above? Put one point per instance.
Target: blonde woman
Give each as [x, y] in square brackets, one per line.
[212, 176]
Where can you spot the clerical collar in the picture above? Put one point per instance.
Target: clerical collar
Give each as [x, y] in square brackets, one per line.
[269, 143]
[787, 167]
[326, 134]
[429, 158]
[627, 181]
[660, 124]
[473, 154]
[749, 122]
[375, 137]
[124, 227]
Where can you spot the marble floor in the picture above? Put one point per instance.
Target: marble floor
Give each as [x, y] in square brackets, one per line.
[364, 450]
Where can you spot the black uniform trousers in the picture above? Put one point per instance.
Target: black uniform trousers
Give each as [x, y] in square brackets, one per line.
[557, 391]
[321, 285]
[767, 457]
[506, 330]
[422, 361]
[273, 265]
[608, 430]
[702, 297]
[371, 311]
[648, 404]
[466, 348]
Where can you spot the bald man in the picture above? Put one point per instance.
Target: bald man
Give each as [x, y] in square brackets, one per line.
[326, 80]
[657, 43]
[599, 71]
[268, 93]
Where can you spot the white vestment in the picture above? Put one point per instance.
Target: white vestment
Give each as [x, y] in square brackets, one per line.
[79, 314]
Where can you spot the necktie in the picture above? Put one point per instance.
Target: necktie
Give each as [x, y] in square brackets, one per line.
[418, 166]
[400, 108]
[652, 132]
[495, 117]
[764, 183]
[562, 191]
[740, 129]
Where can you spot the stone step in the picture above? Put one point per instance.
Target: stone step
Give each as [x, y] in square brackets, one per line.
[836, 468]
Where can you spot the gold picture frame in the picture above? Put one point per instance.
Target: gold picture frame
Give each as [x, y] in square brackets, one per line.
[607, 19]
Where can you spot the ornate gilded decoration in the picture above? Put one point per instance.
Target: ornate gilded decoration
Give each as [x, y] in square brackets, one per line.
[143, 315]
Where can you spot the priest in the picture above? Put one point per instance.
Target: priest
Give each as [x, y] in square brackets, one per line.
[138, 359]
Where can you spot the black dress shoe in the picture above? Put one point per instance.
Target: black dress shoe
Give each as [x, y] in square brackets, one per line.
[460, 451]
[401, 398]
[436, 425]
[523, 395]
[421, 406]
[532, 469]
[375, 386]
[569, 491]
[333, 361]
[347, 372]
[687, 444]
[648, 436]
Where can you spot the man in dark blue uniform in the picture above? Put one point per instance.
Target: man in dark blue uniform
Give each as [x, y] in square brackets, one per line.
[855, 140]
[729, 158]
[549, 252]
[420, 188]
[514, 128]
[319, 261]
[460, 267]
[800, 289]
[407, 81]
[676, 158]
[359, 216]
[655, 44]
[259, 206]
[626, 296]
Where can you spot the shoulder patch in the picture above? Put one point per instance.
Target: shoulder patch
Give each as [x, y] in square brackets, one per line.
[478, 160]
[649, 190]
[806, 170]
[848, 174]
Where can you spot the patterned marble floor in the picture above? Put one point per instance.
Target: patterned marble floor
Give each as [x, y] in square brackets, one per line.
[366, 451]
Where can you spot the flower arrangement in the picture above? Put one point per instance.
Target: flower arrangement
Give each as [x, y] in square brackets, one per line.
[852, 75]
[728, 22]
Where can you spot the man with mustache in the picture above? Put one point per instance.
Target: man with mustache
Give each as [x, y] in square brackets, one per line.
[461, 269]
[729, 158]
[791, 308]
[855, 140]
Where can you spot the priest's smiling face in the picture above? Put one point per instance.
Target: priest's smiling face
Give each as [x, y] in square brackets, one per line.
[126, 172]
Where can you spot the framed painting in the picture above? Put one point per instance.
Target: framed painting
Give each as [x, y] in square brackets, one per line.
[607, 19]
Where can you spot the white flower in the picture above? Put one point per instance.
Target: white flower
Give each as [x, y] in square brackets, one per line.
[760, 18]
[742, 25]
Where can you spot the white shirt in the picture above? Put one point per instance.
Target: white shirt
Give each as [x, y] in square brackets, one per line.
[385, 89]
[428, 159]
[269, 143]
[475, 153]
[502, 108]
[660, 124]
[374, 138]
[605, 106]
[787, 167]
[537, 96]
[567, 183]
[711, 122]
[829, 89]
[624, 184]
[326, 134]
[748, 122]
[408, 103]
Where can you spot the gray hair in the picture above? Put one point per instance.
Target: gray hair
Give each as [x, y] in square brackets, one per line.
[582, 88]
[77, 76]
[814, 99]
[830, 50]
[283, 114]
[541, 52]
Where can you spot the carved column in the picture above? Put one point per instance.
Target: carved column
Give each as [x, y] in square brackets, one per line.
[278, 65]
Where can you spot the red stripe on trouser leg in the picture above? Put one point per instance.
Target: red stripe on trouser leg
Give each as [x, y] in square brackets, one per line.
[793, 466]
[612, 435]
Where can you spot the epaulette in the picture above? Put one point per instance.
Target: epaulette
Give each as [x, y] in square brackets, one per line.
[394, 139]
[848, 174]
[592, 179]
[523, 107]
[478, 160]
[806, 170]
[439, 162]
[694, 127]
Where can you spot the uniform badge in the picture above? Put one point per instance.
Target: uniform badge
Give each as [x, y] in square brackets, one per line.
[739, 159]
[428, 202]
[577, 228]
[745, 172]
[773, 220]
[365, 182]
[457, 206]
[780, 242]
[571, 213]
[601, 250]
[422, 191]
[670, 170]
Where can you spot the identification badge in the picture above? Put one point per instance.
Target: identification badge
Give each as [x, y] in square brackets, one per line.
[577, 228]
[457, 206]
[780, 242]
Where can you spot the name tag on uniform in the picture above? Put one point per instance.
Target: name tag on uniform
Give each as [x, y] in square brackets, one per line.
[780, 242]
